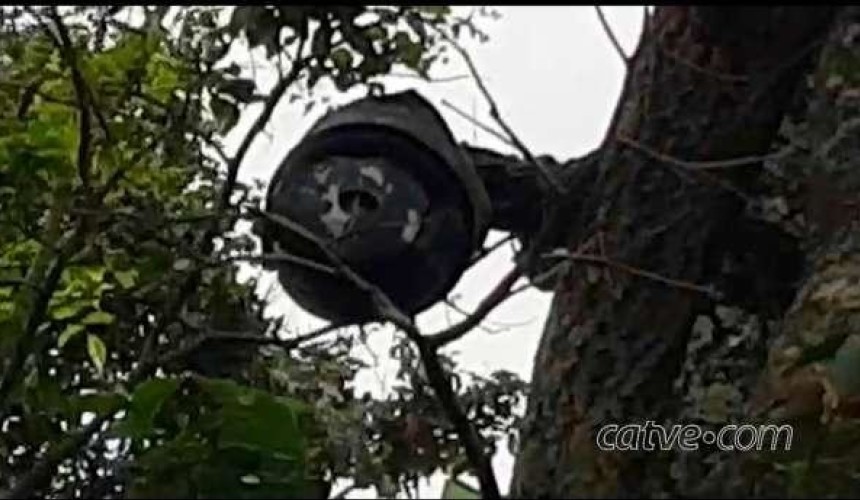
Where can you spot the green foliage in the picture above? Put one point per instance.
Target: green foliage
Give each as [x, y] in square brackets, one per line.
[226, 440]
[116, 257]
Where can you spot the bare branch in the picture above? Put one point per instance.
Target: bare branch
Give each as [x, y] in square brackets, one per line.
[259, 124]
[498, 295]
[704, 165]
[626, 86]
[285, 257]
[438, 79]
[612, 38]
[726, 77]
[456, 308]
[845, 130]
[490, 249]
[635, 271]
[244, 337]
[477, 123]
[494, 113]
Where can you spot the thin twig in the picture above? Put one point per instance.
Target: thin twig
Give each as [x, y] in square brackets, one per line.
[259, 124]
[635, 271]
[845, 130]
[285, 257]
[612, 38]
[438, 79]
[453, 305]
[726, 77]
[498, 295]
[548, 175]
[627, 84]
[486, 128]
[490, 249]
[244, 337]
[704, 165]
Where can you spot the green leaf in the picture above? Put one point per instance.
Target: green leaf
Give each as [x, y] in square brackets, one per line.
[146, 401]
[342, 58]
[66, 311]
[435, 10]
[97, 351]
[98, 318]
[68, 333]
[249, 415]
[455, 489]
[126, 279]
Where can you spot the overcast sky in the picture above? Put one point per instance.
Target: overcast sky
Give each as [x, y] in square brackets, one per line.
[556, 78]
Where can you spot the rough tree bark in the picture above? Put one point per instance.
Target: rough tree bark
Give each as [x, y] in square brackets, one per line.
[706, 84]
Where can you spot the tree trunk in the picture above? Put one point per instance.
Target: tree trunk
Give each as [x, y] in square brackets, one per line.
[706, 84]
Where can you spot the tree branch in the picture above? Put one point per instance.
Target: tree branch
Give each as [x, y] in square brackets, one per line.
[465, 430]
[285, 257]
[635, 271]
[498, 295]
[490, 249]
[435, 373]
[244, 337]
[268, 109]
[477, 123]
[705, 165]
[64, 44]
[67, 47]
[547, 174]
[43, 295]
[612, 38]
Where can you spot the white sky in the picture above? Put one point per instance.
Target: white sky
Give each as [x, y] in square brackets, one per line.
[556, 78]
